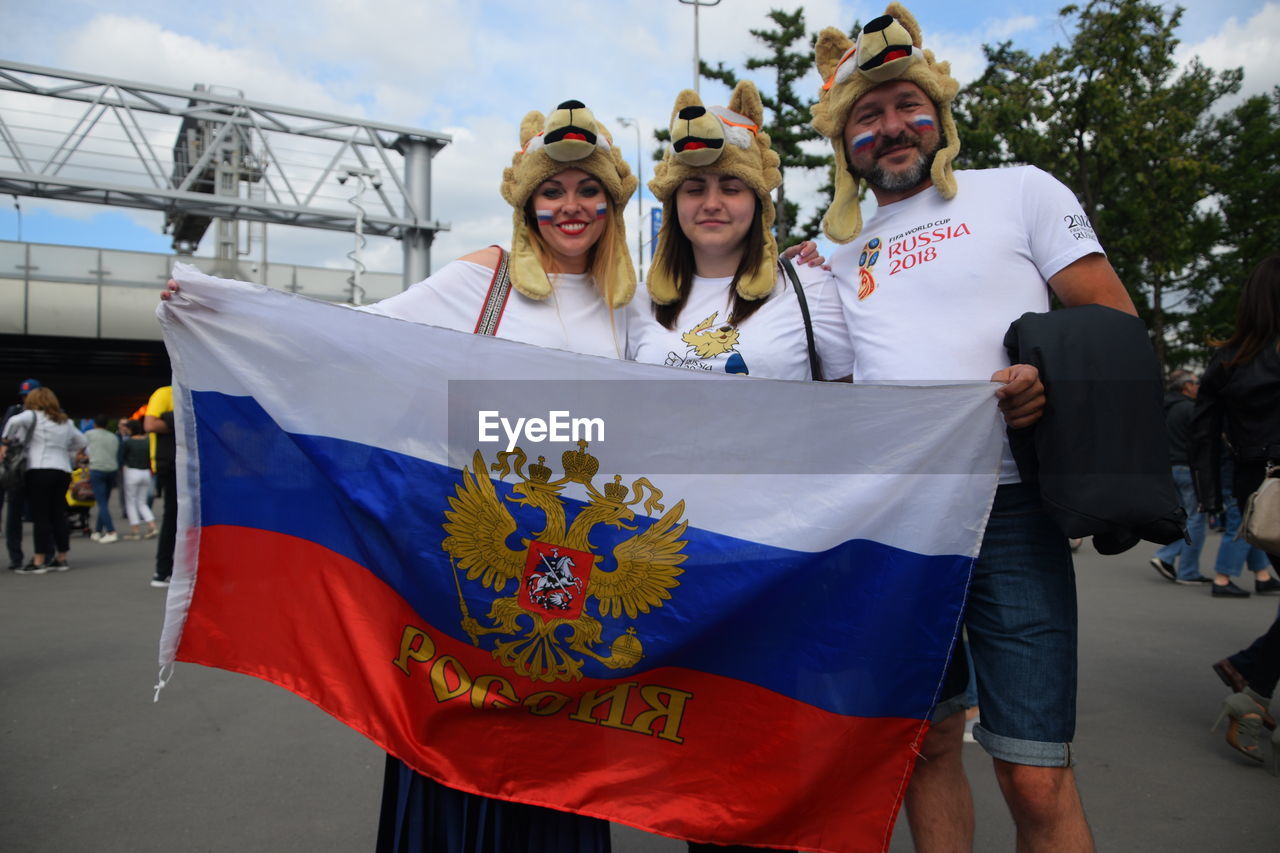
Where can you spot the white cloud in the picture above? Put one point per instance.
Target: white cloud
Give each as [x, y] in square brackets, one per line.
[1253, 44]
[132, 48]
[1001, 30]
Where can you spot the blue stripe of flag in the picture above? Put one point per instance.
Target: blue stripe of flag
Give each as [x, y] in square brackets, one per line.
[860, 629]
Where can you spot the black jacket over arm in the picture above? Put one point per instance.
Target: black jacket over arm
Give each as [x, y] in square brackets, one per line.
[1099, 454]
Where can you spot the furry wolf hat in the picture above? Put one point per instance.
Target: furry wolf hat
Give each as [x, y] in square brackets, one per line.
[568, 138]
[888, 48]
[718, 139]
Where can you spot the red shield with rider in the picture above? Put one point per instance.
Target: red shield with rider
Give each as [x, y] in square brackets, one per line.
[555, 581]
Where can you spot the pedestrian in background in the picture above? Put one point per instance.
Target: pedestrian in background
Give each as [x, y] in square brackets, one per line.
[53, 443]
[158, 421]
[13, 501]
[1234, 553]
[1240, 397]
[135, 463]
[104, 466]
[1179, 561]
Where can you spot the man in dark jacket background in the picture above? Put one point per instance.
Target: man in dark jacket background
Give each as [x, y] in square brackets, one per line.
[1178, 561]
[14, 500]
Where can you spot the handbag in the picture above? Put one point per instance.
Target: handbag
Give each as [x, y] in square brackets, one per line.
[82, 489]
[14, 468]
[1261, 523]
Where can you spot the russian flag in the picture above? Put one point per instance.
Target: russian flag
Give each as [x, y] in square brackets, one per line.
[716, 608]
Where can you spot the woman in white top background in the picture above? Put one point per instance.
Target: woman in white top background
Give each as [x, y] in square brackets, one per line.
[719, 300]
[52, 442]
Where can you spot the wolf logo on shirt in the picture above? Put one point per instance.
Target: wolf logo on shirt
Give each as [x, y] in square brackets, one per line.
[706, 341]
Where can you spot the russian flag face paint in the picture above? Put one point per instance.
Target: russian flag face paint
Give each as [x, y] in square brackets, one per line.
[862, 141]
[544, 216]
[602, 209]
[922, 123]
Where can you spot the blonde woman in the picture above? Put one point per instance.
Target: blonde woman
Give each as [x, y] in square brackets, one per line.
[559, 286]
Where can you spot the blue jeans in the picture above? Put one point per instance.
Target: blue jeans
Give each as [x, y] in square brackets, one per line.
[103, 482]
[1178, 553]
[1232, 552]
[1021, 624]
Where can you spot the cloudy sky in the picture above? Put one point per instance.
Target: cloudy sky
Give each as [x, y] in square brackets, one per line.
[472, 68]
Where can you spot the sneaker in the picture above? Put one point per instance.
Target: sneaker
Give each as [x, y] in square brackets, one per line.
[1165, 569]
[96, 536]
[32, 569]
[152, 533]
[1229, 590]
[14, 565]
[59, 566]
[1198, 579]
[132, 537]
[109, 537]
[159, 582]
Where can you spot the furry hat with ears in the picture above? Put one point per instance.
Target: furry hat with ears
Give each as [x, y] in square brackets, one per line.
[729, 141]
[569, 138]
[888, 48]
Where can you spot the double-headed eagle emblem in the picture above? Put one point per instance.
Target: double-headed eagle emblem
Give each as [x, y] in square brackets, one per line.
[557, 570]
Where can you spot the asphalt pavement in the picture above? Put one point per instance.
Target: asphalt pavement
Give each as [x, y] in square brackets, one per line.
[225, 762]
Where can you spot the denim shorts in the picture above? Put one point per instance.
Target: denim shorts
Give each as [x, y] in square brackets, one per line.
[1020, 619]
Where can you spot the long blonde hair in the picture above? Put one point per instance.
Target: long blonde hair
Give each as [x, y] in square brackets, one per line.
[44, 400]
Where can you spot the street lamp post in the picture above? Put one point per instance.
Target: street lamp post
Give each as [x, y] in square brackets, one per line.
[630, 122]
[697, 60]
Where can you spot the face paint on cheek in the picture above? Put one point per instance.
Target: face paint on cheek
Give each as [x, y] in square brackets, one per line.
[862, 141]
[922, 123]
[544, 216]
[602, 210]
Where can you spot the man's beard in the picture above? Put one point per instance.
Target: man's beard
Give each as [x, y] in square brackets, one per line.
[907, 179]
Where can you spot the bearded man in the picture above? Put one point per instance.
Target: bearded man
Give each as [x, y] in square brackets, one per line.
[929, 287]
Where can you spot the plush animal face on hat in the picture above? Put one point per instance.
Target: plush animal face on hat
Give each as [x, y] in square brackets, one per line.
[888, 48]
[729, 141]
[568, 138]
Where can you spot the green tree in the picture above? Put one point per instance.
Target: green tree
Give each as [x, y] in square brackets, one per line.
[1111, 116]
[1246, 148]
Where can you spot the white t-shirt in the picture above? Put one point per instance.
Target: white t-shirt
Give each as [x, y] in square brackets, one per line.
[930, 286]
[770, 343]
[574, 317]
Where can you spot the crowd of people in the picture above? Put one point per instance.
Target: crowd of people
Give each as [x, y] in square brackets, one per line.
[890, 306]
[137, 457]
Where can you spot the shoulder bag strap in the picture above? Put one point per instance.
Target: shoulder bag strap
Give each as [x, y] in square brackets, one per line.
[815, 366]
[495, 302]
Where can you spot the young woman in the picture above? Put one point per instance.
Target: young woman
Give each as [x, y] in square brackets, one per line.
[569, 268]
[1240, 395]
[719, 300]
[135, 461]
[52, 442]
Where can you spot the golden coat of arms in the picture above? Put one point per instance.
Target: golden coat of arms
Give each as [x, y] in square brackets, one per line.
[558, 571]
